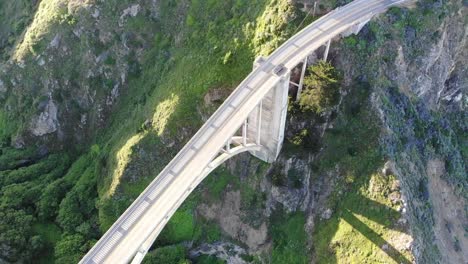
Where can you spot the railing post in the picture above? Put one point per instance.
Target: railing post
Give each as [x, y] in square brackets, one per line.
[259, 122]
[327, 49]
[244, 133]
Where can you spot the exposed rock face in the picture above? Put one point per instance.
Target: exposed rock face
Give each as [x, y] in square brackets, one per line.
[130, 11]
[439, 81]
[292, 198]
[229, 252]
[228, 215]
[326, 214]
[442, 78]
[46, 122]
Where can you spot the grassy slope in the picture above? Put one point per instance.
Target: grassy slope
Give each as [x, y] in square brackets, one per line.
[14, 17]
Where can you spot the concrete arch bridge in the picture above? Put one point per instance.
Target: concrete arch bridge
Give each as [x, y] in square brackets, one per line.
[252, 119]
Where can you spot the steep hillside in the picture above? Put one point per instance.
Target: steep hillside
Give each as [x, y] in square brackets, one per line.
[420, 87]
[97, 96]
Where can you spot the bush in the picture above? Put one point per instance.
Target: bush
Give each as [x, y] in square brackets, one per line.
[180, 228]
[321, 88]
[15, 228]
[170, 254]
[289, 238]
[68, 250]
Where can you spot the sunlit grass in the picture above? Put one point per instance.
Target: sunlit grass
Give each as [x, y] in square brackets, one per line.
[164, 110]
[362, 228]
[45, 16]
[122, 159]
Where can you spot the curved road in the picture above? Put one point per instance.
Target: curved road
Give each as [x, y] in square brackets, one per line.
[134, 232]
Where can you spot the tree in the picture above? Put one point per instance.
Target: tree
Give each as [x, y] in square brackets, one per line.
[69, 249]
[321, 88]
[15, 230]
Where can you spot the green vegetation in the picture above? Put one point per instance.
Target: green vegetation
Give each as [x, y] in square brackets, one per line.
[321, 88]
[169, 254]
[217, 182]
[205, 259]
[363, 215]
[179, 229]
[70, 249]
[49, 234]
[23, 176]
[14, 17]
[289, 238]
[49, 204]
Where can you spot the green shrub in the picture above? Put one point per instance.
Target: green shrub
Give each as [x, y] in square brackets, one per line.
[170, 254]
[289, 238]
[207, 259]
[180, 228]
[69, 249]
[321, 88]
[15, 229]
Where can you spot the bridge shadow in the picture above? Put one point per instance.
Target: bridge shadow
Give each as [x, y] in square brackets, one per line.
[372, 236]
[369, 209]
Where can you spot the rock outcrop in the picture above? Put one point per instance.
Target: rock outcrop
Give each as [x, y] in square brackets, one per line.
[46, 122]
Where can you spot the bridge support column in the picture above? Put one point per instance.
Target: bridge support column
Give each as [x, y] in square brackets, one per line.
[244, 133]
[268, 120]
[327, 49]
[301, 81]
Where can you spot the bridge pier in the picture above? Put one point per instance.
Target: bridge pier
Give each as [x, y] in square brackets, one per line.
[267, 121]
[301, 81]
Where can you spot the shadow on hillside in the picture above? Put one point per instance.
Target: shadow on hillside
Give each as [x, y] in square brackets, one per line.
[375, 238]
[351, 206]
